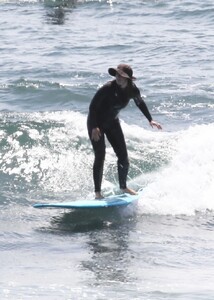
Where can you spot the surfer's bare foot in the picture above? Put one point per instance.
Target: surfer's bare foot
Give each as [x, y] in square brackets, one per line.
[129, 191]
[98, 195]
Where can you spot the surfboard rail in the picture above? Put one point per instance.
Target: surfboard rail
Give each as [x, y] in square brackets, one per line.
[111, 201]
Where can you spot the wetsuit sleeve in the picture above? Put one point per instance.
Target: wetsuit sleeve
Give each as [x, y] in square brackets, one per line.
[96, 105]
[142, 106]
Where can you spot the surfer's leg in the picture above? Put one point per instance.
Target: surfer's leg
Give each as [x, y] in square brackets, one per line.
[117, 141]
[99, 152]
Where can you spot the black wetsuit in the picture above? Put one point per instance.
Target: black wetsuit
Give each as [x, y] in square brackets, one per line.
[103, 113]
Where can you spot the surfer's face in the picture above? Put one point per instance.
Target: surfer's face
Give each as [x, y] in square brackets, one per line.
[121, 81]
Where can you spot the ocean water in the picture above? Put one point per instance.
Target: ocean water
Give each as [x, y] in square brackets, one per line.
[54, 56]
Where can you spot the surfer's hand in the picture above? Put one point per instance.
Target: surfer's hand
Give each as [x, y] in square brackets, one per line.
[156, 124]
[96, 134]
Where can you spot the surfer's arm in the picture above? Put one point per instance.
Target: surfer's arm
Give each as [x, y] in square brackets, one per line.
[93, 113]
[96, 107]
[96, 110]
[139, 101]
[92, 119]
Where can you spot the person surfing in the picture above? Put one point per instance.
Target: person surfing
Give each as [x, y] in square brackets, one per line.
[103, 122]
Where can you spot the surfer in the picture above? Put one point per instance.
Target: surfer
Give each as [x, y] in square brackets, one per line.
[103, 121]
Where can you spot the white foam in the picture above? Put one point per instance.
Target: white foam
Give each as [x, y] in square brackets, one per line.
[186, 185]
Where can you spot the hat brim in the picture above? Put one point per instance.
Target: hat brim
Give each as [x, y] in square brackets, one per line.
[114, 71]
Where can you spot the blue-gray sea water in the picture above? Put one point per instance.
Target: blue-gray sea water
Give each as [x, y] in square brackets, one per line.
[54, 55]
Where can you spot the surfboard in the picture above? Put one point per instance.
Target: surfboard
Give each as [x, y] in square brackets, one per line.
[111, 201]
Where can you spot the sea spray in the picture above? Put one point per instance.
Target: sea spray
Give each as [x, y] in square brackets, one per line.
[186, 185]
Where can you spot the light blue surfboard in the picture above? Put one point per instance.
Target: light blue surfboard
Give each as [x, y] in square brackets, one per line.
[111, 201]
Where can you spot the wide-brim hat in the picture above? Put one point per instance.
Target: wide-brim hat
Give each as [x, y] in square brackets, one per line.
[123, 70]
